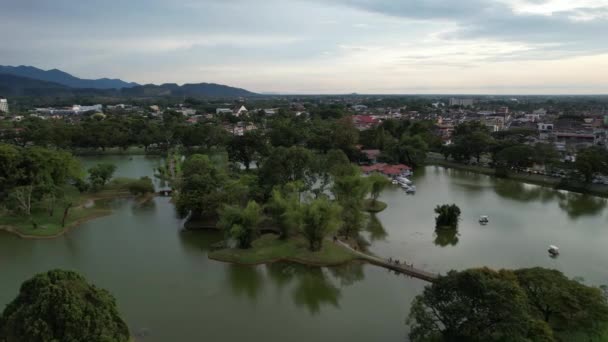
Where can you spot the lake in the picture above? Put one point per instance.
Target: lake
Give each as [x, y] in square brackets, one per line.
[168, 290]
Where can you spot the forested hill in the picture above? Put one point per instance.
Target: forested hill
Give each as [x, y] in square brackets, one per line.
[199, 89]
[63, 78]
[12, 85]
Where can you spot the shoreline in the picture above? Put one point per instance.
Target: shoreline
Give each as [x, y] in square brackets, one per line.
[545, 181]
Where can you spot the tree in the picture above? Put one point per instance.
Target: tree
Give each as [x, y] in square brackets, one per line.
[62, 306]
[241, 224]
[590, 161]
[246, 148]
[283, 208]
[447, 216]
[285, 165]
[319, 219]
[475, 305]
[564, 304]
[515, 156]
[100, 174]
[350, 192]
[378, 184]
[201, 189]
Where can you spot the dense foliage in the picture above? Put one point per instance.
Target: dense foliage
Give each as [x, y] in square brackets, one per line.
[448, 216]
[523, 305]
[62, 306]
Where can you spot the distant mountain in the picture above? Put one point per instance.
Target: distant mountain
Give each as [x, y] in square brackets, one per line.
[12, 85]
[198, 89]
[60, 77]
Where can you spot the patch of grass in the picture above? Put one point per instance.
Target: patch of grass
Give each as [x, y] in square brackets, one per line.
[374, 207]
[269, 248]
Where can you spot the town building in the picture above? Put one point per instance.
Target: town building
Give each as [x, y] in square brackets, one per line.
[219, 111]
[462, 102]
[3, 105]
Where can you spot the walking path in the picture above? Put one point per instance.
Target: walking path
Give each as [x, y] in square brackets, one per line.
[400, 268]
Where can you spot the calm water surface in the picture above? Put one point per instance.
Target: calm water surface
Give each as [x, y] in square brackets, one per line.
[166, 286]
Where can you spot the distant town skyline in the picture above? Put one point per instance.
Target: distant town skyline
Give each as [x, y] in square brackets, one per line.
[320, 46]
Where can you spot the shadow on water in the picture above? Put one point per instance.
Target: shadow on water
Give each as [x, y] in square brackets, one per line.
[375, 229]
[446, 237]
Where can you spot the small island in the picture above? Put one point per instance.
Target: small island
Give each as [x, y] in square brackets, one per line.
[313, 221]
[45, 192]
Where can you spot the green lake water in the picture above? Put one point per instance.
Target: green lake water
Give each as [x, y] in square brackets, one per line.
[167, 288]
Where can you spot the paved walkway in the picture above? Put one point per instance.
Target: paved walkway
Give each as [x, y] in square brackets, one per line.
[400, 268]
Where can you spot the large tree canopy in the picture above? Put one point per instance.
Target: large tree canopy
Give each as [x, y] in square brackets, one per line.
[62, 306]
[523, 305]
[475, 305]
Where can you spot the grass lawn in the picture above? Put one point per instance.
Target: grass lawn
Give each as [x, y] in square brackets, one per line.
[269, 248]
[372, 207]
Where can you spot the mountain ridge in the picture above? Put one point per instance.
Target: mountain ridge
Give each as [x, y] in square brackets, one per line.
[13, 85]
[64, 78]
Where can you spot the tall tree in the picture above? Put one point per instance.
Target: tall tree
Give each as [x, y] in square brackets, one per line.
[201, 189]
[62, 306]
[350, 192]
[320, 218]
[241, 224]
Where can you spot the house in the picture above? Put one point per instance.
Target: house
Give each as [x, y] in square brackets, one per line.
[239, 110]
[359, 108]
[219, 111]
[364, 122]
[372, 155]
[387, 170]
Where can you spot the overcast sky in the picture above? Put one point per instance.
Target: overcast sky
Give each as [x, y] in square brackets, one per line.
[320, 46]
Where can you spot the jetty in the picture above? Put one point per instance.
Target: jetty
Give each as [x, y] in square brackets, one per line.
[393, 266]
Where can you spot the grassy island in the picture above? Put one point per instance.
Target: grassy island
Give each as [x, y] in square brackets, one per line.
[46, 222]
[269, 249]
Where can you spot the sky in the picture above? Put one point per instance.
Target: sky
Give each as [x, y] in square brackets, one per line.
[320, 46]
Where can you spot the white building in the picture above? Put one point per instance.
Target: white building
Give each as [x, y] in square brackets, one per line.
[83, 109]
[239, 110]
[4, 105]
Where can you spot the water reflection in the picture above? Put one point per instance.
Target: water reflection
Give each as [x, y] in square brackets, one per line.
[199, 242]
[245, 281]
[446, 237]
[315, 290]
[376, 229]
[314, 287]
[348, 274]
[578, 205]
[144, 207]
[523, 192]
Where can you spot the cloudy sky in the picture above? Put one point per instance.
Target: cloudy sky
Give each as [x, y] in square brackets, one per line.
[320, 46]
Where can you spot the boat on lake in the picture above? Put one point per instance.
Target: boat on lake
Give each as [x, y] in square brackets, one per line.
[553, 251]
[484, 220]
